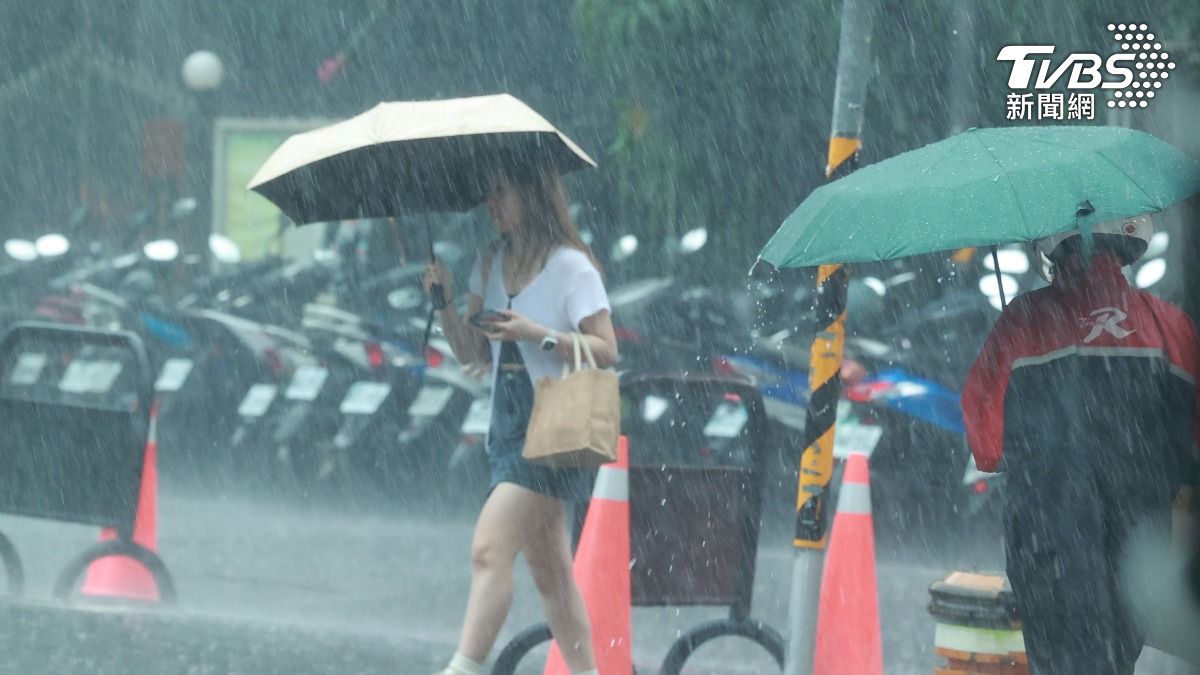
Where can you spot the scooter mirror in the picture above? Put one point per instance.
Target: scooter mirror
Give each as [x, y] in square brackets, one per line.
[51, 245]
[161, 250]
[448, 251]
[405, 298]
[990, 286]
[1151, 272]
[182, 208]
[693, 240]
[876, 285]
[1012, 261]
[224, 249]
[21, 249]
[127, 260]
[625, 247]
[1159, 243]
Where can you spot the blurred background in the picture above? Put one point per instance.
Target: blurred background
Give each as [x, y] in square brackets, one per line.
[700, 113]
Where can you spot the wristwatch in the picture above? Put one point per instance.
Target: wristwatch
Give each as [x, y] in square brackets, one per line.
[549, 343]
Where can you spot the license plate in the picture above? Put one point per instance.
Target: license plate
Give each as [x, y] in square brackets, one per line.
[90, 377]
[727, 421]
[654, 407]
[364, 398]
[173, 374]
[306, 383]
[28, 369]
[257, 400]
[430, 401]
[479, 417]
[852, 437]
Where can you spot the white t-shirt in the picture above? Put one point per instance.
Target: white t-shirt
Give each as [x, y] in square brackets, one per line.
[566, 291]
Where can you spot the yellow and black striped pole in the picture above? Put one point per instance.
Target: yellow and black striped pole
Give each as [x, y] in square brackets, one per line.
[825, 364]
[816, 463]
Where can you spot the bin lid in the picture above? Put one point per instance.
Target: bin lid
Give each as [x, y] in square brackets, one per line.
[974, 600]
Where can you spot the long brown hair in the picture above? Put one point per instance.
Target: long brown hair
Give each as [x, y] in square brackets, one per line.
[546, 218]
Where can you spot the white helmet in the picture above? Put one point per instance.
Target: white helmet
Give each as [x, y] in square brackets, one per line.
[1132, 233]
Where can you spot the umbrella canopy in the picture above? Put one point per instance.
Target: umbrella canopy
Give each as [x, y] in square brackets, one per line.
[411, 157]
[984, 187]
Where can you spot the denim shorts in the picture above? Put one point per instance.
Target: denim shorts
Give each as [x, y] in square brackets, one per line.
[511, 408]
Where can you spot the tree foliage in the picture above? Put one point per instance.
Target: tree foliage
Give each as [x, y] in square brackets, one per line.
[709, 99]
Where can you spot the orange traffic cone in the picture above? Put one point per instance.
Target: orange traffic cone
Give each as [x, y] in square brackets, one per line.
[602, 571]
[848, 638]
[119, 576]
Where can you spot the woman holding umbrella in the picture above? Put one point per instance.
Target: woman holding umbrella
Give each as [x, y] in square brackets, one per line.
[529, 290]
[539, 283]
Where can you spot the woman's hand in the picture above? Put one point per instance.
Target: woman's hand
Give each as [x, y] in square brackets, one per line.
[514, 327]
[436, 273]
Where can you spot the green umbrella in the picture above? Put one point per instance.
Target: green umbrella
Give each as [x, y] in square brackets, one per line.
[984, 187]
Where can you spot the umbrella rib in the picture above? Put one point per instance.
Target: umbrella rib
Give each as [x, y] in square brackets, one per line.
[1012, 188]
[916, 178]
[1125, 173]
[1053, 144]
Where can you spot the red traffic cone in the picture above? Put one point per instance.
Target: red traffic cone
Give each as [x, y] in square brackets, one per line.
[602, 571]
[848, 637]
[119, 576]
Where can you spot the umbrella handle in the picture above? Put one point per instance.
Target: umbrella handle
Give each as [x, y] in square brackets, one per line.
[436, 290]
[438, 297]
[428, 330]
[439, 303]
[999, 278]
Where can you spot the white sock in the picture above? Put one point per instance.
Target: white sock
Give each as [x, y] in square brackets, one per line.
[461, 665]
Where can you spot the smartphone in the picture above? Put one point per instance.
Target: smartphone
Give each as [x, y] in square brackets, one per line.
[484, 318]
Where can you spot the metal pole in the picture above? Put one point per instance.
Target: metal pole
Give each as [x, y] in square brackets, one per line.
[964, 109]
[816, 464]
[84, 129]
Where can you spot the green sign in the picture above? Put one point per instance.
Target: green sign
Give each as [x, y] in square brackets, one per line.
[256, 225]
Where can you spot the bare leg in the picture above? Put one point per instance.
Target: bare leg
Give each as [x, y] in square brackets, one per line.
[548, 552]
[509, 514]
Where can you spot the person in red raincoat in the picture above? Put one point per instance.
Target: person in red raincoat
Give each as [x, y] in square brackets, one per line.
[1085, 394]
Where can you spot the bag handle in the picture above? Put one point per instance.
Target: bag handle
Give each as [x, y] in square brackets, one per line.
[587, 350]
[577, 340]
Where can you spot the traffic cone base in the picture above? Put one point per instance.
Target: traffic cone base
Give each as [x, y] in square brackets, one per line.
[120, 576]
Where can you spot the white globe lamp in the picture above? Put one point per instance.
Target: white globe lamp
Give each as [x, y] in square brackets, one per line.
[202, 71]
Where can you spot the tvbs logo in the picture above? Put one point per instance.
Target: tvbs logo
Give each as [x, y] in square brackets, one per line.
[1084, 69]
[1131, 75]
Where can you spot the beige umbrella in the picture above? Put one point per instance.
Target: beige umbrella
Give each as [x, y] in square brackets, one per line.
[410, 157]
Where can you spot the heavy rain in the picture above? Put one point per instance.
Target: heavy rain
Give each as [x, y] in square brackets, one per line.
[599, 336]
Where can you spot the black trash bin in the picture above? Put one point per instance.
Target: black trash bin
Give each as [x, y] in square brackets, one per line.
[75, 409]
[697, 444]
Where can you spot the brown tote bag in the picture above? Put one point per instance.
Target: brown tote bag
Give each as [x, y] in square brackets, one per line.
[576, 420]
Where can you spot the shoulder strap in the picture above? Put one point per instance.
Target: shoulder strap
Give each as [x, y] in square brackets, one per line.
[485, 269]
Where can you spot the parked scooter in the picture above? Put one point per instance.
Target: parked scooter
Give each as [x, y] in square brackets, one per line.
[372, 414]
[912, 421]
[204, 360]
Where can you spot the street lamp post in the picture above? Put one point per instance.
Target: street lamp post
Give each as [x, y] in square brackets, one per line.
[202, 73]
